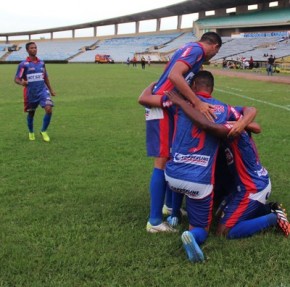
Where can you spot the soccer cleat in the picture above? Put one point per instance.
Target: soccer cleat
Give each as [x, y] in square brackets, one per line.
[45, 136]
[173, 220]
[193, 251]
[31, 136]
[168, 211]
[162, 227]
[282, 220]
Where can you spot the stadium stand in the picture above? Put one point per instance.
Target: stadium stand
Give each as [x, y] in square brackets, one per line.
[244, 33]
[55, 50]
[246, 47]
[260, 18]
[123, 47]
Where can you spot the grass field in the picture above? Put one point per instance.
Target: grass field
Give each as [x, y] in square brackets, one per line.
[73, 211]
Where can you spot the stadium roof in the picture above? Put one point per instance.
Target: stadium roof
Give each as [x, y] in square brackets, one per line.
[186, 7]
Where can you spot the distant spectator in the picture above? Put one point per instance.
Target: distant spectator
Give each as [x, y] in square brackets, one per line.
[271, 61]
[251, 63]
[143, 62]
[134, 60]
[128, 62]
[149, 60]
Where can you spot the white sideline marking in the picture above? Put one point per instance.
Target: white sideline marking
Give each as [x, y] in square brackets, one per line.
[287, 108]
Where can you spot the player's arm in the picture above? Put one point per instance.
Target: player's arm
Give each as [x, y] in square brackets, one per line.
[147, 99]
[20, 81]
[252, 127]
[249, 114]
[47, 82]
[197, 117]
[177, 79]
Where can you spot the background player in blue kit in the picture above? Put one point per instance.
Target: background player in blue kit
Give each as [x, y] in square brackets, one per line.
[32, 74]
[178, 74]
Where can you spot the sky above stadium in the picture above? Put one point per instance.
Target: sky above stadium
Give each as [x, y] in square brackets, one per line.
[18, 15]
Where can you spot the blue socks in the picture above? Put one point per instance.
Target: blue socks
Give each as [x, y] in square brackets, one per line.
[46, 122]
[30, 123]
[199, 234]
[168, 197]
[177, 199]
[249, 227]
[157, 194]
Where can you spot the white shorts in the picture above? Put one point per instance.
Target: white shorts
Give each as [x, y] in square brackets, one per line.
[193, 190]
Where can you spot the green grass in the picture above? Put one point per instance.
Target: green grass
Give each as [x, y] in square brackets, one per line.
[73, 211]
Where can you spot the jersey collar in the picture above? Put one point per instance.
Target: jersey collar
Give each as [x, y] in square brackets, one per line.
[28, 59]
[204, 95]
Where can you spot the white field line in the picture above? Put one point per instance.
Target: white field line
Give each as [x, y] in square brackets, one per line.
[287, 108]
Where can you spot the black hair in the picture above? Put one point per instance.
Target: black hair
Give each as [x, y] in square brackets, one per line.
[211, 38]
[204, 79]
[28, 44]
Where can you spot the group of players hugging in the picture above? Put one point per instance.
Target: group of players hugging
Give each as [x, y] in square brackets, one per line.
[204, 152]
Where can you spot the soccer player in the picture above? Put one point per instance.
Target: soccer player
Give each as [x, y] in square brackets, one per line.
[194, 151]
[178, 74]
[246, 212]
[32, 75]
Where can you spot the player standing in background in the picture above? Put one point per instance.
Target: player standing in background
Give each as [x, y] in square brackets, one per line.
[179, 73]
[32, 74]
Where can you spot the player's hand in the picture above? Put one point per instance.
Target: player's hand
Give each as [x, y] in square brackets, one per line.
[174, 97]
[237, 129]
[53, 93]
[207, 110]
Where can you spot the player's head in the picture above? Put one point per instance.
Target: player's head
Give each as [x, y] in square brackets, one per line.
[203, 82]
[212, 42]
[31, 48]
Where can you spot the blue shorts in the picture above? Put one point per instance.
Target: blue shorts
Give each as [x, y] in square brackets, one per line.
[244, 205]
[43, 102]
[200, 211]
[159, 132]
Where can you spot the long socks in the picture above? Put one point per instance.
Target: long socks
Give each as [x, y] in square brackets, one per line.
[46, 122]
[30, 123]
[177, 199]
[168, 196]
[157, 194]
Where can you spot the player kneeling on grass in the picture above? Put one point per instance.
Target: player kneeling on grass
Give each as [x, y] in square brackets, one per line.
[194, 150]
[246, 211]
[254, 214]
[189, 163]
[32, 75]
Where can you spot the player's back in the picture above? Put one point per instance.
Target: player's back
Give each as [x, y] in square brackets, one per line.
[250, 173]
[193, 150]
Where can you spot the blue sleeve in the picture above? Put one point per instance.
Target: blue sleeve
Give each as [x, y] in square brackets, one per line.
[167, 104]
[234, 113]
[20, 71]
[191, 55]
